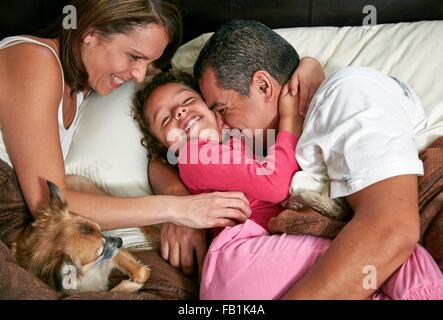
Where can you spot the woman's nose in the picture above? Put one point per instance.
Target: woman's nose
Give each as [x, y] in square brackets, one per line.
[180, 112]
[138, 73]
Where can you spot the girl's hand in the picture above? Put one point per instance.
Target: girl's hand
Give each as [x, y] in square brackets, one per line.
[217, 209]
[287, 103]
[290, 120]
[305, 81]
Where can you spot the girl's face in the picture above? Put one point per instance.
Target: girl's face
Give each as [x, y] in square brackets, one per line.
[176, 113]
[112, 61]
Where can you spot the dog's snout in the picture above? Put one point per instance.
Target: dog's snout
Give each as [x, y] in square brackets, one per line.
[115, 241]
[119, 242]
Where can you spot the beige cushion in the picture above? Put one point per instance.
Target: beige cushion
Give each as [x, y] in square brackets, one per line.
[411, 52]
[106, 149]
[106, 146]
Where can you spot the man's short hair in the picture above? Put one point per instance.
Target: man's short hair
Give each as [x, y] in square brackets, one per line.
[240, 48]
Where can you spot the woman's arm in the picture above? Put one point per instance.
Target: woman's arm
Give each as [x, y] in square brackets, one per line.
[30, 93]
[28, 112]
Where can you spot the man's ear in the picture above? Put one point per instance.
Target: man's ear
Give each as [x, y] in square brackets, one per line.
[262, 84]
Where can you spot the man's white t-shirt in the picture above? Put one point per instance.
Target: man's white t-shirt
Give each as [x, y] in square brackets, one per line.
[360, 129]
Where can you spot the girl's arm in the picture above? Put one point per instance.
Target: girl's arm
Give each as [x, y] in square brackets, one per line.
[28, 112]
[266, 180]
[305, 81]
[290, 120]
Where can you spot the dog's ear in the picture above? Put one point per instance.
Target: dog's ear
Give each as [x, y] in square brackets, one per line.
[57, 198]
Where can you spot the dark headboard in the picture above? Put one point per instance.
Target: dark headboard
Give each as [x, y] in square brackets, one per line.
[23, 16]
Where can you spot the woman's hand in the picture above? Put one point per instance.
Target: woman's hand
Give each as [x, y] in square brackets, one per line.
[305, 81]
[218, 209]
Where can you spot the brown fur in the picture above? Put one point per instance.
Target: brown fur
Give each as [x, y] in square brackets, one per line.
[58, 236]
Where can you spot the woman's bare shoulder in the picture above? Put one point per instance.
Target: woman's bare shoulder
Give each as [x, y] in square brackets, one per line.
[23, 55]
[29, 68]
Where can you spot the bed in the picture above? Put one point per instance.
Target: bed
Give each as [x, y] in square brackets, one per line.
[406, 43]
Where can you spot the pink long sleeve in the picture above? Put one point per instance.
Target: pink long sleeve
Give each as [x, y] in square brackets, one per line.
[266, 180]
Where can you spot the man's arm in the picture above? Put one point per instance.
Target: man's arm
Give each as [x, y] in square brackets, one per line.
[177, 243]
[383, 233]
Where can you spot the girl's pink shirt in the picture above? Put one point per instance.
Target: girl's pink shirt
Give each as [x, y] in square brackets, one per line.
[207, 166]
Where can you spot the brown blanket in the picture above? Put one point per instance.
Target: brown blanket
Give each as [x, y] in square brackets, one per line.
[166, 282]
[430, 192]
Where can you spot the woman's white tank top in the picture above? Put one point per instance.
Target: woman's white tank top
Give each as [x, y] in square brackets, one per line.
[65, 134]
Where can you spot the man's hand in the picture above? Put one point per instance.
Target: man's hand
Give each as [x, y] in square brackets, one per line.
[178, 245]
[305, 81]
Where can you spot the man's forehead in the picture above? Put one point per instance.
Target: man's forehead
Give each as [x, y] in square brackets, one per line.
[210, 89]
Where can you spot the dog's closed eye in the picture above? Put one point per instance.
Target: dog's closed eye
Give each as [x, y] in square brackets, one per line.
[101, 251]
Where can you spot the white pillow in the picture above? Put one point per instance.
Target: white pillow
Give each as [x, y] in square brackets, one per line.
[106, 149]
[411, 52]
[106, 146]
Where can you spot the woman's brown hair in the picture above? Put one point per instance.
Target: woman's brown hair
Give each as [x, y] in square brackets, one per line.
[110, 17]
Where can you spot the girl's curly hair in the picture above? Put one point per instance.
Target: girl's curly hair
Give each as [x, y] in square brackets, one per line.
[155, 149]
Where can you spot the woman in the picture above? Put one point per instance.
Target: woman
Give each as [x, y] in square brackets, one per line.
[43, 83]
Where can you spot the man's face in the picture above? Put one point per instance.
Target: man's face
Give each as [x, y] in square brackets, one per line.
[253, 112]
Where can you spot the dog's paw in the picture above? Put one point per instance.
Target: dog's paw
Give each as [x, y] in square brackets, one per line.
[128, 286]
[297, 203]
[142, 274]
[332, 208]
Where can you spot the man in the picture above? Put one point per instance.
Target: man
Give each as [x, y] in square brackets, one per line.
[237, 78]
[375, 168]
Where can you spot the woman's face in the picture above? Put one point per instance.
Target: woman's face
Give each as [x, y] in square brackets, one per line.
[175, 113]
[121, 57]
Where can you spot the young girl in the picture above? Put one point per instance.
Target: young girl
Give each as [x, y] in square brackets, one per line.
[244, 261]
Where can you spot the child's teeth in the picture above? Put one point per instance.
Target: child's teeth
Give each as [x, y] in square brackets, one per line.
[191, 123]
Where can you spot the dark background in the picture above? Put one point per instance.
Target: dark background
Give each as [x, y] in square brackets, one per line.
[24, 16]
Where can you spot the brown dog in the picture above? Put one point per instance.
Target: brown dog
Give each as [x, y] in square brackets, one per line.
[69, 253]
